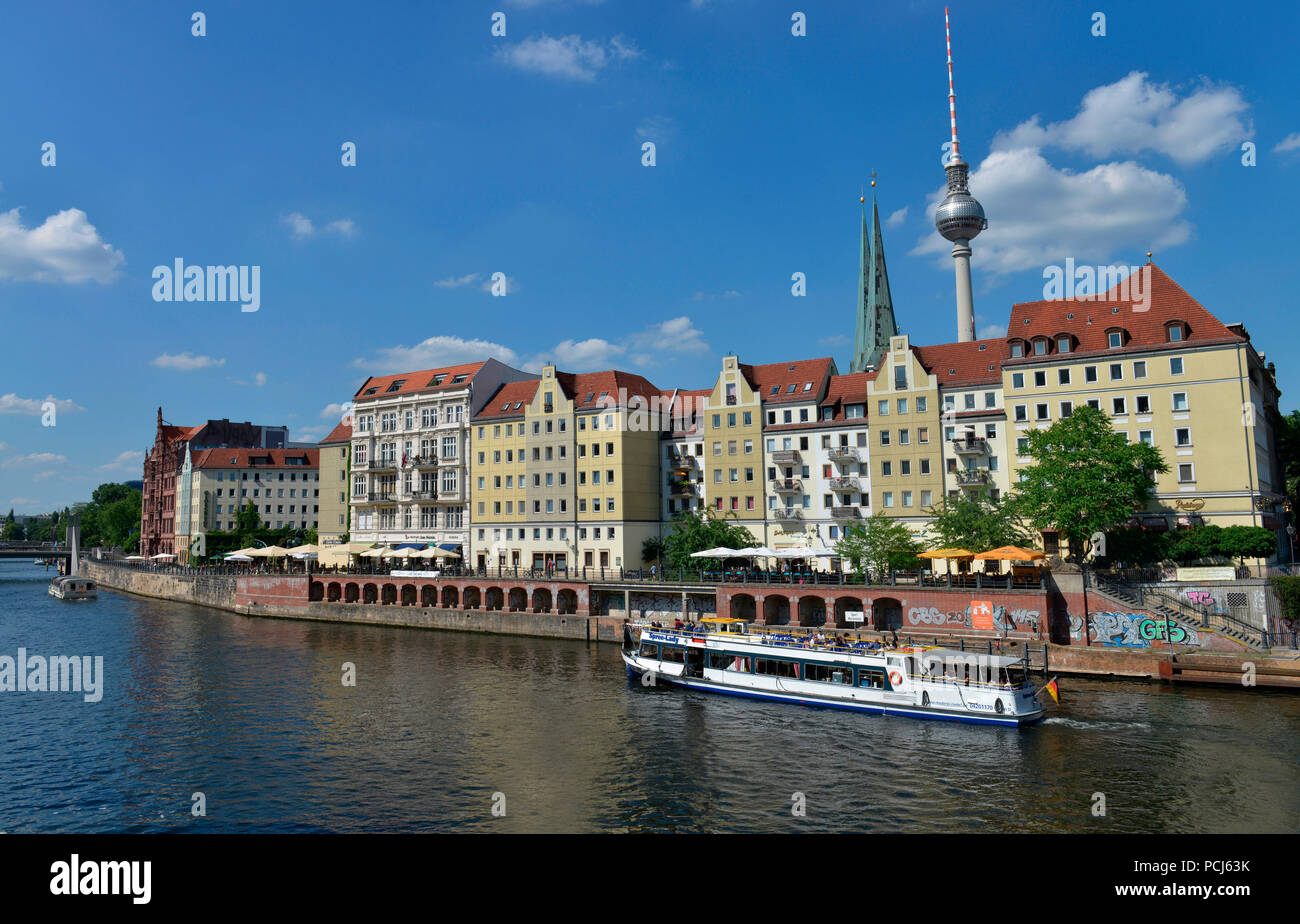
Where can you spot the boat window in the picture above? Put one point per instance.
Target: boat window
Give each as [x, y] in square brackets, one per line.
[673, 654]
[776, 667]
[873, 678]
[828, 673]
[720, 661]
[649, 651]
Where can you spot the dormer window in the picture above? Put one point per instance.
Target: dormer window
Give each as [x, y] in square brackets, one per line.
[1175, 332]
[1040, 347]
[1017, 349]
[1063, 343]
[1114, 339]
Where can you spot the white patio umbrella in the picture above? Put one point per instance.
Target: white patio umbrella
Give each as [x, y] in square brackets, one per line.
[374, 553]
[720, 552]
[236, 556]
[161, 556]
[134, 558]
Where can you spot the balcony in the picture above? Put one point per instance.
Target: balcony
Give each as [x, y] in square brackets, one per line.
[787, 486]
[972, 478]
[785, 456]
[846, 513]
[378, 465]
[681, 489]
[845, 483]
[788, 513]
[974, 446]
[424, 495]
[423, 462]
[843, 454]
[377, 497]
[682, 463]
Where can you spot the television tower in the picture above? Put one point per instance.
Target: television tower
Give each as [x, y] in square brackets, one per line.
[960, 217]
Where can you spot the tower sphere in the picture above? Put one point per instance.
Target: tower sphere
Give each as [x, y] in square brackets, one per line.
[960, 217]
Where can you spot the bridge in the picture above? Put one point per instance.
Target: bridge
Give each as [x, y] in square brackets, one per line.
[34, 550]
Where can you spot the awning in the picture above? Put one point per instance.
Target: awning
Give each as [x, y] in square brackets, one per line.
[448, 546]
[410, 545]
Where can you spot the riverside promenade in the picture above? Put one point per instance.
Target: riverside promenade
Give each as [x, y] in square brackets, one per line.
[1043, 623]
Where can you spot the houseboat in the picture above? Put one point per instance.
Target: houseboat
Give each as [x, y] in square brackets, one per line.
[722, 655]
[73, 587]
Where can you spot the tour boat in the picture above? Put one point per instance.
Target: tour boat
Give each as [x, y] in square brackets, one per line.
[722, 655]
[73, 587]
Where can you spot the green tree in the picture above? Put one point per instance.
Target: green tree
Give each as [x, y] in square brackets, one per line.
[1242, 542]
[976, 521]
[247, 521]
[880, 543]
[652, 550]
[1288, 450]
[1085, 478]
[119, 518]
[696, 532]
[1135, 546]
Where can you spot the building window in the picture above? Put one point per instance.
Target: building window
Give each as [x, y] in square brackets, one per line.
[1175, 365]
[1041, 412]
[1114, 339]
[1140, 369]
[1180, 401]
[1182, 436]
[1021, 412]
[1186, 473]
[1040, 378]
[1063, 376]
[1142, 404]
[1017, 380]
[1117, 406]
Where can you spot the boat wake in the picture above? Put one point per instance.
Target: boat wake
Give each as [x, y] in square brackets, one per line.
[1099, 725]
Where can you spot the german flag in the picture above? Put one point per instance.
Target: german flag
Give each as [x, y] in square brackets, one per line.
[1050, 687]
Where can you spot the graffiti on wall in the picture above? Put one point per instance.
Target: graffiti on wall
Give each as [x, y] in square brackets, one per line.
[1019, 619]
[1134, 630]
[1199, 597]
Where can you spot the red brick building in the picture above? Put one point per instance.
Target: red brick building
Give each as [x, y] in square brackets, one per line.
[162, 468]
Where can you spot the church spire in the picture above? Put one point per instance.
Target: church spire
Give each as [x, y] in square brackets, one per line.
[876, 323]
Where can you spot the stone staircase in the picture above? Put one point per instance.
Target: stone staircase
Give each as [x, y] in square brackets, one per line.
[1160, 603]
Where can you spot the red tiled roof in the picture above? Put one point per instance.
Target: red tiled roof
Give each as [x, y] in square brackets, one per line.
[255, 458]
[849, 389]
[585, 388]
[502, 404]
[1089, 320]
[782, 375]
[975, 362]
[340, 434]
[414, 382]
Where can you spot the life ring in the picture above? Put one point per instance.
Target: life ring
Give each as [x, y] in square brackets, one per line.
[997, 707]
[895, 678]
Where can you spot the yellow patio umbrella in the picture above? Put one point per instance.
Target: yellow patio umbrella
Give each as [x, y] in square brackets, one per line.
[948, 553]
[304, 549]
[1011, 553]
[374, 553]
[271, 551]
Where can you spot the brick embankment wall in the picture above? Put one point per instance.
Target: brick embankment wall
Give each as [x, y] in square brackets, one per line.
[217, 590]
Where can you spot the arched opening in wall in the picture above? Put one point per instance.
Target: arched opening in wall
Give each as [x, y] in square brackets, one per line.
[886, 614]
[428, 595]
[449, 596]
[541, 600]
[389, 594]
[518, 600]
[317, 591]
[845, 605]
[567, 601]
[495, 598]
[473, 597]
[812, 611]
[369, 593]
[333, 592]
[408, 595]
[776, 610]
[742, 607]
[351, 593]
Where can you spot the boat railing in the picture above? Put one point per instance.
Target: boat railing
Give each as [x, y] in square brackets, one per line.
[778, 640]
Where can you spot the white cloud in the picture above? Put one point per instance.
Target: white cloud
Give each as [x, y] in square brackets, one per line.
[1042, 214]
[434, 352]
[130, 461]
[455, 282]
[897, 218]
[1133, 115]
[1290, 143]
[568, 57]
[259, 379]
[336, 411]
[35, 458]
[658, 129]
[309, 434]
[673, 337]
[991, 332]
[12, 404]
[22, 502]
[41, 476]
[300, 226]
[185, 362]
[833, 340]
[65, 248]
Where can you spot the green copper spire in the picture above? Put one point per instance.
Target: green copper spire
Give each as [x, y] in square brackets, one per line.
[876, 322]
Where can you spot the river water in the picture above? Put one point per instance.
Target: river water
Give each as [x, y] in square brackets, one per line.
[440, 727]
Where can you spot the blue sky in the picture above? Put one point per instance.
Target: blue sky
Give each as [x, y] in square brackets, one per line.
[522, 155]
